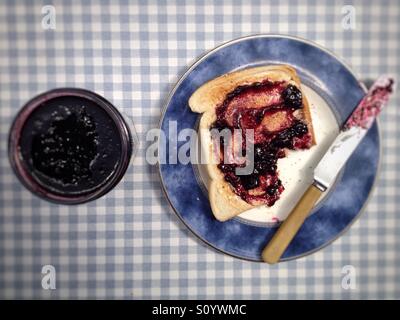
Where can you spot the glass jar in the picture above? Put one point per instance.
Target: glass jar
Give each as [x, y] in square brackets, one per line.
[70, 145]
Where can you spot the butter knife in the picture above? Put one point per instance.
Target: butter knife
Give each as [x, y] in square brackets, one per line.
[351, 134]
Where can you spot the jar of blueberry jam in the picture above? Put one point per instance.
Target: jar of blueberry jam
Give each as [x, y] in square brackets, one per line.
[70, 145]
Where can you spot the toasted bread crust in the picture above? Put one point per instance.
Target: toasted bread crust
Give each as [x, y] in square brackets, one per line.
[225, 204]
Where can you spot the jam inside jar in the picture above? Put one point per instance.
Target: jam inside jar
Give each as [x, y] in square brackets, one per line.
[70, 145]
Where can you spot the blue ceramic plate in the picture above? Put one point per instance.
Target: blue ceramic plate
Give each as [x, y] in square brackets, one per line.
[328, 76]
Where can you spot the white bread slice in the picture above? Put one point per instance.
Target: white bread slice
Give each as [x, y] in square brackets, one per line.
[225, 204]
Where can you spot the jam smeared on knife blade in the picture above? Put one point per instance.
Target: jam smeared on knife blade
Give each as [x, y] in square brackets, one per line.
[272, 110]
[371, 104]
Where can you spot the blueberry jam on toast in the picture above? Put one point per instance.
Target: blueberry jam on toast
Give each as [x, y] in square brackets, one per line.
[274, 110]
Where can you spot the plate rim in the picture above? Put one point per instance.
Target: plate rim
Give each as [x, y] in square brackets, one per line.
[200, 59]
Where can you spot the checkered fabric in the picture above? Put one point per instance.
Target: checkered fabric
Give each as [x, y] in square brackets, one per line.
[129, 244]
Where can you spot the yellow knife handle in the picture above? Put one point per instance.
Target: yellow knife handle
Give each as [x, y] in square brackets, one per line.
[287, 231]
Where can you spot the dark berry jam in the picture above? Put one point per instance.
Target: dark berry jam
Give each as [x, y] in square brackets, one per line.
[269, 108]
[292, 97]
[371, 105]
[66, 150]
[70, 145]
[258, 95]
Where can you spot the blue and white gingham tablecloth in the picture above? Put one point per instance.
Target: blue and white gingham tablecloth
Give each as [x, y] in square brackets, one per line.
[129, 244]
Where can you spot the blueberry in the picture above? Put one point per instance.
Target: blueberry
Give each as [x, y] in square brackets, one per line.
[274, 188]
[299, 129]
[249, 181]
[292, 97]
[271, 191]
[256, 171]
[283, 140]
[258, 152]
[259, 167]
[271, 160]
[272, 168]
[232, 179]
[265, 167]
[263, 153]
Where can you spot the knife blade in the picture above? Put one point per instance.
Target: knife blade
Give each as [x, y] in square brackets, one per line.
[350, 136]
[352, 133]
